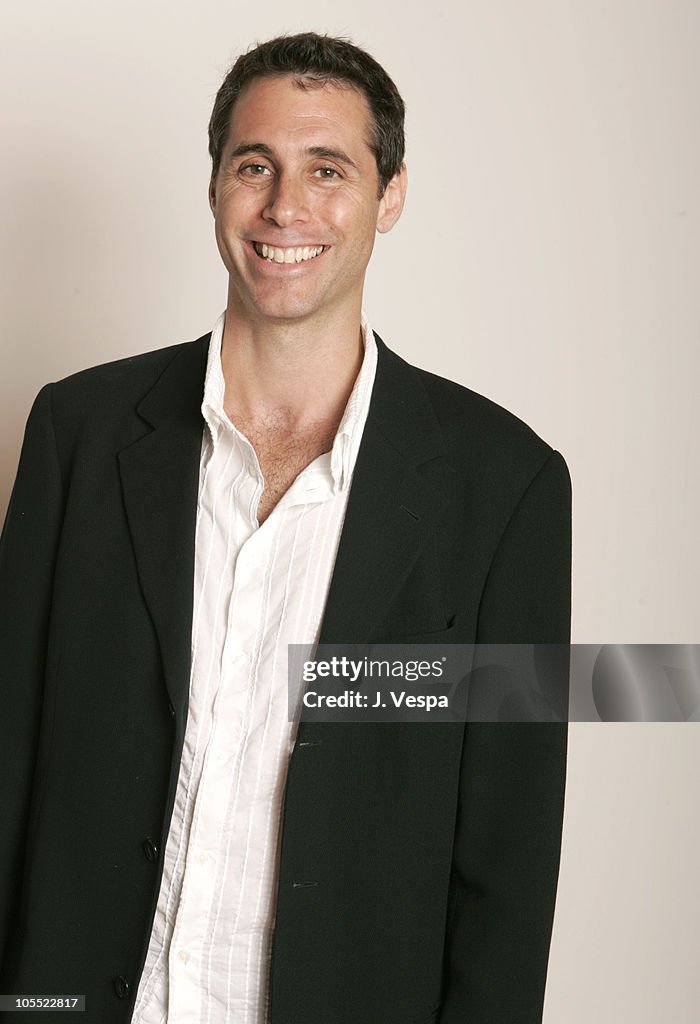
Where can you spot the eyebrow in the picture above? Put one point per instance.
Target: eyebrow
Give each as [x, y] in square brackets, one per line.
[246, 148]
[251, 147]
[333, 154]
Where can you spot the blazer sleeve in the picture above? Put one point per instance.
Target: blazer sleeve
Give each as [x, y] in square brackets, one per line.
[508, 833]
[27, 558]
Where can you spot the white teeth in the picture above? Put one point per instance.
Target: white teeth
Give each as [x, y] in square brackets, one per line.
[297, 255]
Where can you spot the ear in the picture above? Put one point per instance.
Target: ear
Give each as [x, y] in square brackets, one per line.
[391, 203]
[212, 195]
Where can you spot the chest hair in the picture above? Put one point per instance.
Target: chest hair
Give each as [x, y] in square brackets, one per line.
[283, 453]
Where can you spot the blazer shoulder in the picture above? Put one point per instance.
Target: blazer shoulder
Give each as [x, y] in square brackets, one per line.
[472, 422]
[118, 386]
[127, 374]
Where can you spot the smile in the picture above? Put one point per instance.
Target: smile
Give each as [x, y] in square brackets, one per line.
[298, 254]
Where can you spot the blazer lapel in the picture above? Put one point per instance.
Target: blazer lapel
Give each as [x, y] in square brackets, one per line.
[401, 482]
[160, 481]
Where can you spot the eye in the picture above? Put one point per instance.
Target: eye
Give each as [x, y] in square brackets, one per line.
[255, 170]
[327, 173]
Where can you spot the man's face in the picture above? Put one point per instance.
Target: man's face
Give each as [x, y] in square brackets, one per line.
[297, 176]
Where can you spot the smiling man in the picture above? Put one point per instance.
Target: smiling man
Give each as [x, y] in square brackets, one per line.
[172, 849]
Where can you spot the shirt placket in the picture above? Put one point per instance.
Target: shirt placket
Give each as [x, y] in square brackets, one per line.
[224, 726]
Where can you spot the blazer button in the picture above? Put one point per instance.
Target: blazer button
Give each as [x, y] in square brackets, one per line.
[150, 850]
[171, 709]
[121, 986]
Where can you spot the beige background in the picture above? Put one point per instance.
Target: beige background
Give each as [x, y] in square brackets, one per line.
[549, 257]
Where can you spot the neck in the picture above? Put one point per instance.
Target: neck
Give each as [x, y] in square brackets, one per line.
[301, 372]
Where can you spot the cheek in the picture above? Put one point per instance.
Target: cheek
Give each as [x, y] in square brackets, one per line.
[236, 206]
[349, 215]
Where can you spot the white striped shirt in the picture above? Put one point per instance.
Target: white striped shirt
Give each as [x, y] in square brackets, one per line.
[257, 589]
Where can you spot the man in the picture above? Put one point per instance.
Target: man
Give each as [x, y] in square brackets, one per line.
[171, 849]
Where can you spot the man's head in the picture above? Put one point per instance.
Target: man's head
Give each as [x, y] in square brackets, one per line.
[310, 58]
[306, 139]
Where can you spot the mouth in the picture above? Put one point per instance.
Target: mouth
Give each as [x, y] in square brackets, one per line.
[294, 254]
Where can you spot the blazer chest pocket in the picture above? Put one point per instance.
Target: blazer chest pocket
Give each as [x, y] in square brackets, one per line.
[431, 632]
[419, 611]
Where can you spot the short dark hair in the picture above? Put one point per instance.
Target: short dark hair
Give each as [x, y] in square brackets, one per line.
[310, 57]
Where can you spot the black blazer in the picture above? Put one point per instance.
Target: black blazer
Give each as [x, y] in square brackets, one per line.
[435, 848]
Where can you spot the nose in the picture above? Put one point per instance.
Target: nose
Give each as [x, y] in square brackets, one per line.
[288, 202]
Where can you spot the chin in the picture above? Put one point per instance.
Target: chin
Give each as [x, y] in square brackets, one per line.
[285, 311]
[290, 316]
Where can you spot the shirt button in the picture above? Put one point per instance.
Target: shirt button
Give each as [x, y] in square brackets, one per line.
[150, 850]
[183, 956]
[201, 858]
[121, 986]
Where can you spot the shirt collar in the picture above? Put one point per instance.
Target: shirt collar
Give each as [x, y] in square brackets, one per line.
[341, 461]
[213, 401]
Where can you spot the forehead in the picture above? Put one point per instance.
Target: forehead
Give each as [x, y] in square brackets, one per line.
[279, 110]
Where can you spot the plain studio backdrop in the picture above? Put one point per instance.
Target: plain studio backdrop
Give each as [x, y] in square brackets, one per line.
[548, 257]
